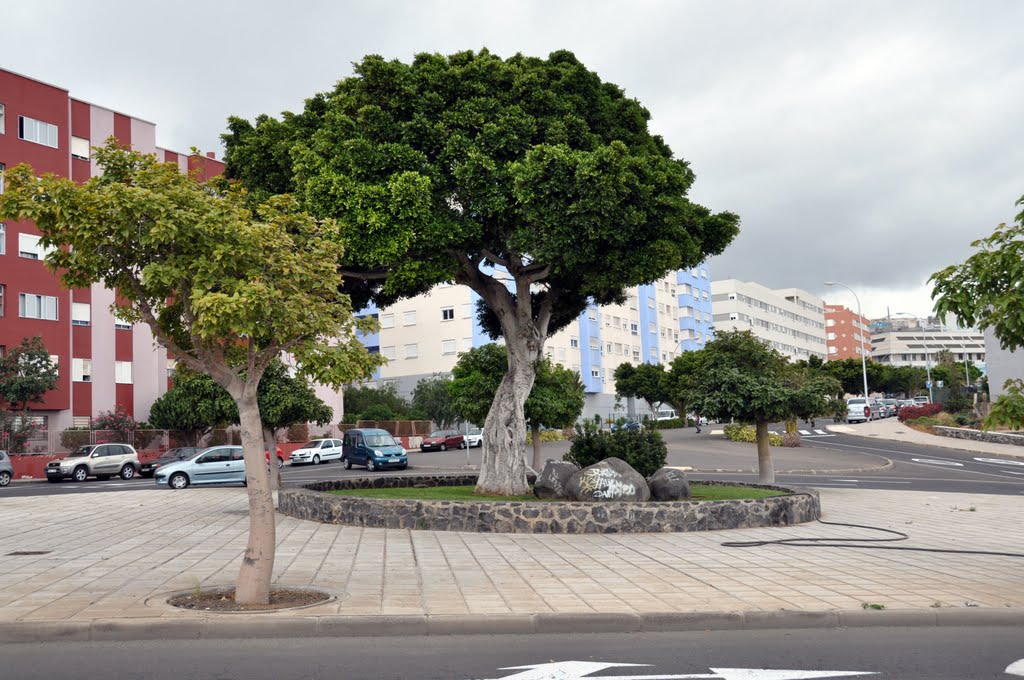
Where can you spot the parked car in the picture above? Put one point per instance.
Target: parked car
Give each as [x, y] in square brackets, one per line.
[628, 426]
[442, 440]
[214, 465]
[317, 451]
[376, 449]
[921, 401]
[891, 407]
[666, 414]
[101, 461]
[280, 458]
[6, 469]
[148, 468]
[858, 410]
[475, 438]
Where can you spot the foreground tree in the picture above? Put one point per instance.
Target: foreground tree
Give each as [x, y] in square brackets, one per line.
[645, 381]
[478, 170]
[223, 286]
[26, 374]
[556, 399]
[742, 378]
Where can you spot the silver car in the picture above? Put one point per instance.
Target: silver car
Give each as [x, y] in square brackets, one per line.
[6, 469]
[215, 465]
[859, 410]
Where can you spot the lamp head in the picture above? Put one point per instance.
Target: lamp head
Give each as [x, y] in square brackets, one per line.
[830, 283]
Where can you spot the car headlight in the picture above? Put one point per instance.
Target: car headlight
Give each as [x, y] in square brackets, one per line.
[378, 453]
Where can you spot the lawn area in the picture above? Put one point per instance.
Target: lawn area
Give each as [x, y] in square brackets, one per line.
[700, 492]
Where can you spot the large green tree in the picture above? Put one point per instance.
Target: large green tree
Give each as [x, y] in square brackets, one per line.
[645, 381]
[433, 397]
[850, 373]
[529, 180]
[287, 400]
[224, 284]
[556, 398]
[26, 374]
[193, 407]
[742, 378]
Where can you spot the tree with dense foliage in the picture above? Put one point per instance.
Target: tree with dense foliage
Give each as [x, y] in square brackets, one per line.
[645, 381]
[224, 284]
[433, 397]
[742, 378]
[359, 399]
[26, 374]
[193, 407]
[287, 400]
[678, 382]
[556, 398]
[850, 373]
[529, 180]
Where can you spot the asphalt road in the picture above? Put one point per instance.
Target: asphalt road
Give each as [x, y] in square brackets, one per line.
[823, 460]
[970, 653]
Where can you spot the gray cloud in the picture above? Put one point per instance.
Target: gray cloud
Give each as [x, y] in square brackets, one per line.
[868, 142]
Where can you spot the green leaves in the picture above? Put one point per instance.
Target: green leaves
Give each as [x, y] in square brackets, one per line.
[26, 373]
[987, 290]
[1008, 409]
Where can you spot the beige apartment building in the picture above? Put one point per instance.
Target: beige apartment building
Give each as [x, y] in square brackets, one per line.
[790, 320]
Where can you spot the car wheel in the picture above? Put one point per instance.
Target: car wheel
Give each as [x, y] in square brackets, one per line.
[127, 472]
[462, 445]
[370, 465]
[179, 480]
[444, 447]
[5, 478]
[80, 473]
[316, 459]
[347, 463]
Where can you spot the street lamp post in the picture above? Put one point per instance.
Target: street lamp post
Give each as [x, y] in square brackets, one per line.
[863, 351]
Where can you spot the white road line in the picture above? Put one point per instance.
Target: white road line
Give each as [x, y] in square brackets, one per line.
[804, 432]
[819, 432]
[1000, 461]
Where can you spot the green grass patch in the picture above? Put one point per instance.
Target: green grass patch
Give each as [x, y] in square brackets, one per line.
[700, 492]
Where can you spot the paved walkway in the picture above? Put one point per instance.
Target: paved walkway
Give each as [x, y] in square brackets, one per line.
[893, 429]
[112, 556]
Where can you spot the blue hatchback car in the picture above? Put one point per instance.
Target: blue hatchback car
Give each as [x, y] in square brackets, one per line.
[376, 449]
[215, 465]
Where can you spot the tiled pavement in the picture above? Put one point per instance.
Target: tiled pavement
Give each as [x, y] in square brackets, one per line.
[111, 554]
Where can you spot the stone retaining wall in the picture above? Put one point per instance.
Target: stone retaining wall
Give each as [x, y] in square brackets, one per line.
[979, 436]
[310, 502]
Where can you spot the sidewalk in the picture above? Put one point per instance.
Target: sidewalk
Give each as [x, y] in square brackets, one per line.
[892, 429]
[111, 559]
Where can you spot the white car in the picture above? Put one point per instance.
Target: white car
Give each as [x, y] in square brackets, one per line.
[858, 410]
[317, 451]
[475, 438]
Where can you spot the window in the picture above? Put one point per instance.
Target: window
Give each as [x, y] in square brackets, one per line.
[123, 372]
[37, 307]
[595, 371]
[697, 315]
[1, 178]
[387, 320]
[80, 314]
[634, 329]
[448, 346]
[80, 148]
[467, 344]
[703, 273]
[652, 327]
[592, 314]
[3, 291]
[388, 353]
[409, 318]
[81, 370]
[650, 303]
[37, 131]
[28, 247]
[412, 351]
[447, 313]
[467, 310]
[732, 296]
[3, 121]
[3, 238]
[574, 342]
[55, 360]
[704, 294]
[121, 325]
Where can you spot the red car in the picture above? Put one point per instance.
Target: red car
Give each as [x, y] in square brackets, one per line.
[280, 457]
[442, 440]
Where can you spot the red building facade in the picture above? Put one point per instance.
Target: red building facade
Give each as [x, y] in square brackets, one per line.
[846, 334]
[101, 361]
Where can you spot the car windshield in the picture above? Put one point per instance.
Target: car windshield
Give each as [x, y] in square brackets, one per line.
[856, 401]
[81, 451]
[311, 445]
[438, 433]
[383, 439]
[476, 430]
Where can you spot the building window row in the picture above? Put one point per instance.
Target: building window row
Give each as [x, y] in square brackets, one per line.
[32, 306]
[37, 131]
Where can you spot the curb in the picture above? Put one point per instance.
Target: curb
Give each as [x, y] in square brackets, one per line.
[264, 626]
[932, 444]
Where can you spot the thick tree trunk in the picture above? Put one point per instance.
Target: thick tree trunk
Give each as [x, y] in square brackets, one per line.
[538, 461]
[257, 567]
[503, 464]
[766, 471]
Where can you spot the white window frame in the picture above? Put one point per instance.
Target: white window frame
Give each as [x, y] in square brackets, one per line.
[412, 351]
[81, 370]
[81, 314]
[409, 318]
[574, 342]
[447, 314]
[29, 248]
[3, 302]
[77, 148]
[2, 166]
[3, 120]
[467, 310]
[42, 305]
[3, 238]
[386, 321]
[38, 131]
[467, 344]
[448, 346]
[388, 352]
[123, 372]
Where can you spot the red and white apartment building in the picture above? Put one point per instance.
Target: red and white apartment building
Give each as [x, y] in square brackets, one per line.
[848, 334]
[101, 362]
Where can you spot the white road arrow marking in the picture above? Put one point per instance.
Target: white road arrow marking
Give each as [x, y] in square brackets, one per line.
[576, 670]
[1015, 668]
[936, 461]
[999, 461]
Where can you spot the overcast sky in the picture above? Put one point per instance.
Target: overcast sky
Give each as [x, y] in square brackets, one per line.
[866, 142]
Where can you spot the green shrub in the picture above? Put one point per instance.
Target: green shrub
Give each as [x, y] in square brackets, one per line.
[644, 450]
[377, 412]
[73, 438]
[671, 424]
[547, 436]
[736, 432]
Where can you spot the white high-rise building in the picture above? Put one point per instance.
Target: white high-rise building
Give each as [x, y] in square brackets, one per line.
[788, 319]
[423, 336]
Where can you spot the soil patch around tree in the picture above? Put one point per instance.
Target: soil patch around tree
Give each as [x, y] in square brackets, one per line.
[698, 491]
[223, 600]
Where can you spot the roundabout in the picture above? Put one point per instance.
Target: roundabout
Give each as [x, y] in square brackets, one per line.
[315, 502]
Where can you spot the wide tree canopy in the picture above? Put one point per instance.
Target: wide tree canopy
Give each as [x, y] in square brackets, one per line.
[26, 374]
[645, 381]
[487, 171]
[194, 406]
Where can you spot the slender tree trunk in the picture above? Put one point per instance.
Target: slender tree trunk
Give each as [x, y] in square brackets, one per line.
[257, 567]
[538, 461]
[270, 441]
[766, 471]
[503, 465]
